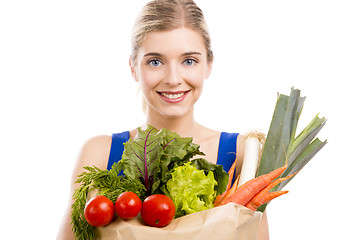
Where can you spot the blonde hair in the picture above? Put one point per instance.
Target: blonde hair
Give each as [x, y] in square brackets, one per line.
[166, 15]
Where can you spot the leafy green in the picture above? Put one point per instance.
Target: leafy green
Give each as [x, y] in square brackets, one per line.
[107, 183]
[147, 162]
[220, 175]
[152, 154]
[155, 157]
[191, 189]
[281, 136]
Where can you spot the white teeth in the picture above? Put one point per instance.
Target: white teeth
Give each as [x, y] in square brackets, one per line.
[172, 96]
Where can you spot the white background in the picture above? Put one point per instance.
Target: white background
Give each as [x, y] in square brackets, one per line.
[65, 78]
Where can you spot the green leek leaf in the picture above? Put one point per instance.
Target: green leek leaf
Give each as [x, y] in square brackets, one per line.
[281, 141]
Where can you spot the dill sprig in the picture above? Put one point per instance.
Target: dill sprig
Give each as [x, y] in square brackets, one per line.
[105, 182]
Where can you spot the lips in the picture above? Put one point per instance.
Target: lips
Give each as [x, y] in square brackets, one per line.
[173, 96]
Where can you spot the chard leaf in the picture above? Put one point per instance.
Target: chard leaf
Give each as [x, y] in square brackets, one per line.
[152, 154]
[176, 152]
[141, 159]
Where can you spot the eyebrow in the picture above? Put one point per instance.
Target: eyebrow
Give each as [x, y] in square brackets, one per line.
[191, 53]
[152, 54]
[159, 54]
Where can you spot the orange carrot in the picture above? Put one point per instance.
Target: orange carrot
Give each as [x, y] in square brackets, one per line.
[273, 195]
[265, 196]
[227, 193]
[218, 199]
[248, 190]
[231, 175]
[268, 197]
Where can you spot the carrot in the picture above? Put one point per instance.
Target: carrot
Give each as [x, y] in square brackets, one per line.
[218, 199]
[273, 195]
[265, 195]
[270, 196]
[227, 193]
[231, 175]
[248, 190]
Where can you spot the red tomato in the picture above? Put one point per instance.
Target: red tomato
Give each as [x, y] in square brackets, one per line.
[127, 205]
[99, 211]
[158, 210]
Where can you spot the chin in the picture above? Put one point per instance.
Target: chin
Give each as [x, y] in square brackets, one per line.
[173, 115]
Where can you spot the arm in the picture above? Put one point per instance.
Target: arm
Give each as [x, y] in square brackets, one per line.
[94, 153]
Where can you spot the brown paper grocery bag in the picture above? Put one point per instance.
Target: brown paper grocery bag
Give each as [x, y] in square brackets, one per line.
[231, 221]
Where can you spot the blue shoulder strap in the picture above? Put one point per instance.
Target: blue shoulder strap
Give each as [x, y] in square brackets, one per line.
[117, 147]
[227, 150]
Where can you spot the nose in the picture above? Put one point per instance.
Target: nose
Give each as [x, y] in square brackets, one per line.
[173, 76]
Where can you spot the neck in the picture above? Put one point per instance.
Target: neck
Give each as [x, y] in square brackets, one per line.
[185, 126]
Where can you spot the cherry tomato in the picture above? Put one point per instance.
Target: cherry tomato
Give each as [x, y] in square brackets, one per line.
[127, 205]
[99, 211]
[158, 210]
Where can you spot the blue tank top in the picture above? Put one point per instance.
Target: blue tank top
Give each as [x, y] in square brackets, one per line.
[226, 153]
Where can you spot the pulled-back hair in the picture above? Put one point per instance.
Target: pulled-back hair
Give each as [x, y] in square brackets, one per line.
[166, 15]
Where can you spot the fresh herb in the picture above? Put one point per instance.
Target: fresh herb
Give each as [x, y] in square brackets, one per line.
[107, 183]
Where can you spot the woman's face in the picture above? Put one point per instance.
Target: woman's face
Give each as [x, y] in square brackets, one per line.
[171, 68]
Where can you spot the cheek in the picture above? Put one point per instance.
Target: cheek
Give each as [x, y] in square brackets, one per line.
[196, 78]
[148, 79]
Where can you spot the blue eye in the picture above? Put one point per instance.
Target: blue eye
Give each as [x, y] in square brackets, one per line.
[154, 63]
[189, 62]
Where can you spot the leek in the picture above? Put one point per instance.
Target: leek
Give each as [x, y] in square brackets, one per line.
[281, 136]
[252, 151]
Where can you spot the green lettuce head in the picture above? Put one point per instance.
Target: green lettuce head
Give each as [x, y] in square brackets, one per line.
[191, 189]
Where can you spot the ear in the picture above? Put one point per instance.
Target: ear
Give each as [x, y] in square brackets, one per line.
[132, 69]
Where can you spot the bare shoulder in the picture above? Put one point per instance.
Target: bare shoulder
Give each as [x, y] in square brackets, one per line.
[95, 151]
[240, 144]
[240, 153]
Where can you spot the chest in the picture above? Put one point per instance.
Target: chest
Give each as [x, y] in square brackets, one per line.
[210, 147]
[222, 150]
[211, 151]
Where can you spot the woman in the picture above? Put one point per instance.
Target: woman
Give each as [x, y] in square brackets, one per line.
[171, 58]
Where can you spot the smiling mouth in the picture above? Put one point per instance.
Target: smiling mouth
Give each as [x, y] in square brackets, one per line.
[173, 96]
